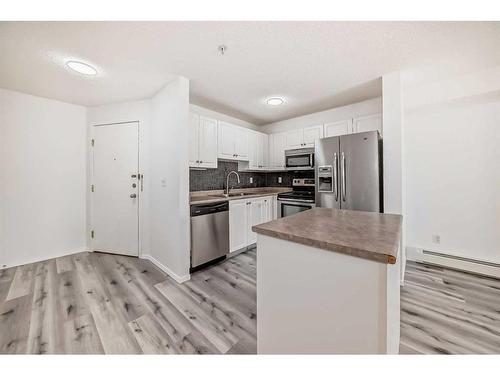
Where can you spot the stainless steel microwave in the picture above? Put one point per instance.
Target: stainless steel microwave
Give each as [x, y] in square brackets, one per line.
[300, 158]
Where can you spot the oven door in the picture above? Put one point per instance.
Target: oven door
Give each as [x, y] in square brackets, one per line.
[288, 207]
[299, 161]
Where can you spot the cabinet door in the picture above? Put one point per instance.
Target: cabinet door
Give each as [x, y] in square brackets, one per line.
[225, 141]
[367, 123]
[311, 134]
[262, 150]
[294, 139]
[254, 217]
[194, 120]
[241, 143]
[238, 227]
[207, 142]
[267, 214]
[253, 150]
[274, 207]
[278, 140]
[265, 150]
[334, 129]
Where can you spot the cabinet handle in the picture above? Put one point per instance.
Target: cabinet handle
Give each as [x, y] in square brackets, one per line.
[201, 161]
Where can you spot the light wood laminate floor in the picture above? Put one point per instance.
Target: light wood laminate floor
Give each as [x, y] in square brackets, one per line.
[446, 311]
[102, 303]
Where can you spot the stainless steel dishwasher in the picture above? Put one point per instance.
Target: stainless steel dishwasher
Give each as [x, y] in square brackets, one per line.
[209, 233]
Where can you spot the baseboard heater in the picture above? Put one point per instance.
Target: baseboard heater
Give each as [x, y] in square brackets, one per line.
[463, 259]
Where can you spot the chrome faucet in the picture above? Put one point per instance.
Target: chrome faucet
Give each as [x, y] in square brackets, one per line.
[227, 181]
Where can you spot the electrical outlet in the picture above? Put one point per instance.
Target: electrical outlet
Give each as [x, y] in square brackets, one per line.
[251, 180]
[280, 180]
[436, 238]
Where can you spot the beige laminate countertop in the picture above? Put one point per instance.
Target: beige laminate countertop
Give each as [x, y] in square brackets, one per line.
[367, 235]
[209, 196]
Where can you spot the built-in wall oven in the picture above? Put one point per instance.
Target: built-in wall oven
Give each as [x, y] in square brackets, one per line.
[301, 158]
[298, 200]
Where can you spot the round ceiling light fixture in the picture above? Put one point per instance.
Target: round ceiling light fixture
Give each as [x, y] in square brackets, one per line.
[275, 101]
[81, 67]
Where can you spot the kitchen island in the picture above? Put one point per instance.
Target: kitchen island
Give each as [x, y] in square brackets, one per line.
[328, 282]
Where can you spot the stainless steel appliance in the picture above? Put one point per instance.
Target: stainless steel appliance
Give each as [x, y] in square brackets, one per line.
[298, 200]
[349, 172]
[209, 233]
[300, 158]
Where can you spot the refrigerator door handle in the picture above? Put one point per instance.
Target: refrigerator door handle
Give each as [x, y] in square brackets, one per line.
[335, 176]
[343, 177]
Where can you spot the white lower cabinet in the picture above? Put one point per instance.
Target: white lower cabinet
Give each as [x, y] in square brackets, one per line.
[238, 227]
[243, 215]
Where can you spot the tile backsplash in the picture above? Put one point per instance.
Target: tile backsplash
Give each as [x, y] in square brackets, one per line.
[215, 179]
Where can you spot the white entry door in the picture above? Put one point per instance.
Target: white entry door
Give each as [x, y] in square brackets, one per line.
[115, 196]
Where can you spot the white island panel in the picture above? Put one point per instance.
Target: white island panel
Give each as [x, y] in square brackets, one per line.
[312, 301]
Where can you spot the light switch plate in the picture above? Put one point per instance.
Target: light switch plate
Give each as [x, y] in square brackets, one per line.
[280, 180]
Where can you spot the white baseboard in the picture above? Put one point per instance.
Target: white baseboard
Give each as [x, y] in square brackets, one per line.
[417, 254]
[168, 271]
[44, 258]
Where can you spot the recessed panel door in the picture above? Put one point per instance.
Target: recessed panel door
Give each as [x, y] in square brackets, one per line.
[115, 179]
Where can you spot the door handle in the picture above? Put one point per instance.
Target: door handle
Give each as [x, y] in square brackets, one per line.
[335, 176]
[343, 177]
[133, 195]
[141, 176]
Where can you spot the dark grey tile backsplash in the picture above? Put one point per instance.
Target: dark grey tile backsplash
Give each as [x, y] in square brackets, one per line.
[215, 179]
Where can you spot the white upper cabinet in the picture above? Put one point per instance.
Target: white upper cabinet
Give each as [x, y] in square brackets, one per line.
[294, 139]
[241, 143]
[263, 150]
[202, 142]
[311, 134]
[258, 150]
[367, 123]
[334, 129]
[194, 121]
[303, 137]
[253, 150]
[232, 142]
[207, 142]
[355, 125]
[277, 150]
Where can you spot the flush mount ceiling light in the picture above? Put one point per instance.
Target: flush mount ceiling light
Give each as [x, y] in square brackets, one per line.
[275, 101]
[81, 67]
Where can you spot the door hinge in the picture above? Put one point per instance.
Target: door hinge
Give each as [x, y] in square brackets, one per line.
[91, 234]
[92, 188]
[92, 142]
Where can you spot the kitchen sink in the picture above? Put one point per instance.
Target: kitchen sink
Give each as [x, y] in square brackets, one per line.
[231, 195]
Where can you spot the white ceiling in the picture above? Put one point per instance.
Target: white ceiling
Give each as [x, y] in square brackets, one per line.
[314, 65]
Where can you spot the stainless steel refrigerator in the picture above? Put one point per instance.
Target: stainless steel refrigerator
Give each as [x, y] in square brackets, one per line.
[349, 172]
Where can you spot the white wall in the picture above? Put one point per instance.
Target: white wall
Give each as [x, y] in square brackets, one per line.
[169, 194]
[222, 117]
[452, 140]
[367, 107]
[393, 147]
[43, 178]
[140, 111]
